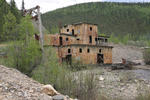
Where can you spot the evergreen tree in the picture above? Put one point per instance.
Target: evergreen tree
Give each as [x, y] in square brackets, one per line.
[4, 9]
[15, 11]
[22, 8]
[118, 18]
[9, 27]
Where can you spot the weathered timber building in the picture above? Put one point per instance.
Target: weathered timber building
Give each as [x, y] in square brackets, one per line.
[80, 42]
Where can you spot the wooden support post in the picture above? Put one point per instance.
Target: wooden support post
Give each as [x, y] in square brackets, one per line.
[40, 28]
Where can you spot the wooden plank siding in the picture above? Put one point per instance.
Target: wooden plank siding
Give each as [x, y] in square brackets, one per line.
[79, 36]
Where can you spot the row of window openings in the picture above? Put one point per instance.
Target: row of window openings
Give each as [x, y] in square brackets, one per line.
[67, 39]
[96, 39]
[73, 30]
[80, 50]
[90, 39]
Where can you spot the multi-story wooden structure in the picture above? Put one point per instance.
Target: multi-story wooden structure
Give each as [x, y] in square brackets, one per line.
[80, 42]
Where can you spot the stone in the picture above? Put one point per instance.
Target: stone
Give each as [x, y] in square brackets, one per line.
[1, 97]
[45, 97]
[0, 89]
[101, 78]
[59, 97]
[49, 90]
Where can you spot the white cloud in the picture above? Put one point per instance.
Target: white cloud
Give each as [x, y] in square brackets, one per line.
[48, 5]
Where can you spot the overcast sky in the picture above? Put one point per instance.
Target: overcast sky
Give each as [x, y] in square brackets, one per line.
[48, 5]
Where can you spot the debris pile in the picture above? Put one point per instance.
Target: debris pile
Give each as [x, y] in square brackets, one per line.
[126, 64]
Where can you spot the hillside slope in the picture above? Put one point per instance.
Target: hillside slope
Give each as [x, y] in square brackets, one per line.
[16, 86]
[117, 18]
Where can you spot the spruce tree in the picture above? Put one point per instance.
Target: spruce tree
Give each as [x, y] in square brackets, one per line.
[9, 27]
[4, 8]
[22, 8]
[14, 10]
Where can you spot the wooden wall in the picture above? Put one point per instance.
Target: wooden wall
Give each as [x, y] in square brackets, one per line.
[85, 57]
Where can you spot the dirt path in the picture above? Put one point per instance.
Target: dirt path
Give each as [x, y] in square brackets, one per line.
[3, 45]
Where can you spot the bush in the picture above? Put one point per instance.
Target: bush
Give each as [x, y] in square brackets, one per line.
[146, 56]
[77, 85]
[143, 97]
[22, 56]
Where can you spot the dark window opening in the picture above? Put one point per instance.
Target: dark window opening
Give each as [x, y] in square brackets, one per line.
[88, 50]
[67, 39]
[67, 30]
[67, 59]
[72, 31]
[106, 40]
[100, 58]
[80, 50]
[60, 40]
[78, 39]
[69, 50]
[96, 39]
[100, 50]
[90, 28]
[90, 39]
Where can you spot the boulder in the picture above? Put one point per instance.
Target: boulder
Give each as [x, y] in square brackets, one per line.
[45, 97]
[62, 97]
[1, 97]
[59, 97]
[49, 90]
[101, 78]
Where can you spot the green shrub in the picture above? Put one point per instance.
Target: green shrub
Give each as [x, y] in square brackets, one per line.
[22, 56]
[146, 56]
[77, 85]
[143, 97]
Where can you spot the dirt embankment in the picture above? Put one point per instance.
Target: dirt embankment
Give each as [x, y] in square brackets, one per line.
[130, 53]
[16, 86]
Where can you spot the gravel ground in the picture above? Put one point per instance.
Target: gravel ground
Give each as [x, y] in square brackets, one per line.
[120, 84]
[124, 84]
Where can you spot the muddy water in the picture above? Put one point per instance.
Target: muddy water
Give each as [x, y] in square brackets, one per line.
[142, 74]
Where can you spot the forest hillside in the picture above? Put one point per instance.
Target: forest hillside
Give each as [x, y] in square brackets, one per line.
[119, 19]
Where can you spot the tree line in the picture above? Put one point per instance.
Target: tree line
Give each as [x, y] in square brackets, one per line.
[120, 19]
[10, 18]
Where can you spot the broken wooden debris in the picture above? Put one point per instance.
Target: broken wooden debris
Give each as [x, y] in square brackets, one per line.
[126, 64]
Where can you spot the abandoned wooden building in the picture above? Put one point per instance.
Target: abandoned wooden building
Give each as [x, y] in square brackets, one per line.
[80, 42]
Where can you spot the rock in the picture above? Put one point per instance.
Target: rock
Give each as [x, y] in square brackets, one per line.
[49, 90]
[102, 86]
[1, 97]
[59, 97]
[45, 97]
[101, 78]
